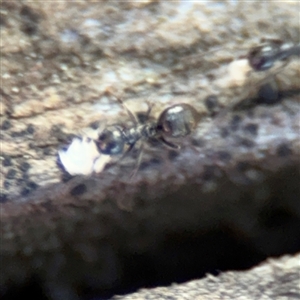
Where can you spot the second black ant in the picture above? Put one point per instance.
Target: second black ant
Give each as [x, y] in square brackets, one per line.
[263, 57]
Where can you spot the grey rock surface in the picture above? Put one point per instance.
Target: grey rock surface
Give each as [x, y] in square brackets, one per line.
[234, 185]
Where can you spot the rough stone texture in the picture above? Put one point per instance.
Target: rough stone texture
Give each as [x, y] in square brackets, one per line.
[275, 279]
[233, 186]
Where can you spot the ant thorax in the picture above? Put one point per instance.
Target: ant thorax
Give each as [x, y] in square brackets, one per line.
[134, 134]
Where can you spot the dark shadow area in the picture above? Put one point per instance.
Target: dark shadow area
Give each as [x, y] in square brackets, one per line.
[191, 254]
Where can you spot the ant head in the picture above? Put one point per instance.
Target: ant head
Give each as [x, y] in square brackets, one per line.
[178, 120]
[261, 58]
[111, 141]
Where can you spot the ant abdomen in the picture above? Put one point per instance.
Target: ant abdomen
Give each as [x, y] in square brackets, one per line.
[177, 120]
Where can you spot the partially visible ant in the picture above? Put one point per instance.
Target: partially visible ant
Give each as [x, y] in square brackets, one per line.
[263, 57]
[175, 121]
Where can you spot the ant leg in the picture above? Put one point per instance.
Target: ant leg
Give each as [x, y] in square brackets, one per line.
[197, 56]
[168, 144]
[138, 161]
[132, 116]
[150, 105]
[126, 152]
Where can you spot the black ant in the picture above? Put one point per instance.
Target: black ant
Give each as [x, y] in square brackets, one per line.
[175, 121]
[263, 57]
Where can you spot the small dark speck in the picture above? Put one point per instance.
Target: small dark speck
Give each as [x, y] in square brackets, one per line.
[6, 162]
[154, 143]
[235, 122]
[224, 132]
[24, 167]
[66, 177]
[11, 174]
[94, 125]
[224, 156]
[25, 191]
[3, 198]
[250, 113]
[25, 176]
[283, 150]
[32, 185]
[5, 125]
[78, 190]
[58, 133]
[48, 205]
[30, 129]
[6, 184]
[198, 142]
[209, 173]
[16, 134]
[47, 151]
[32, 146]
[155, 161]
[2, 21]
[242, 166]
[172, 154]
[30, 20]
[246, 143]
[142, 117]
[251, 128]
[211, 103]
[20, 181]
[70, 137]
[268, 94]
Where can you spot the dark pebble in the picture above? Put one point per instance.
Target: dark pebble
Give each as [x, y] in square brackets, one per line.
[209, 173]
[224, 156]
[32, 185]
[155, 161]
[268, 94]
[25, 191]
[283, 150]
[47, 151]
[211, 103]
[224, 132]
[78, 190]
[6, 162]
[243, 166]
[11, 174]
[5, 125]
[6, 184]
[16, 134]
[198, 142]
[172, 154]
[235, 122]
[30, 129]
[94, 125]
[24, 167]
[246, 143]
[251, 128]
[3, 198]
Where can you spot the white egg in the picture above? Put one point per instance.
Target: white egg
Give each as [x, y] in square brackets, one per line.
[82, 157]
